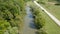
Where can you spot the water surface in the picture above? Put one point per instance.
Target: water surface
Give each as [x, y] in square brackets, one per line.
[29, 27]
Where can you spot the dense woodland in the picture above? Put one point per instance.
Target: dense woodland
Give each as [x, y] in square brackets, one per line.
[11, 16]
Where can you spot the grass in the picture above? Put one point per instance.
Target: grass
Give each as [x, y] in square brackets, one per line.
[53, 9]
[50, 26]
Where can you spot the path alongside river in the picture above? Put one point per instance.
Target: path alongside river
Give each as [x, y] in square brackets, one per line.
[49, 14]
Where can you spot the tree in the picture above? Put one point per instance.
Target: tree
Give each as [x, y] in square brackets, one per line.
[11, 12]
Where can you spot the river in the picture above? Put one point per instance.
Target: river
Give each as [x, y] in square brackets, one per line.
[29, 27]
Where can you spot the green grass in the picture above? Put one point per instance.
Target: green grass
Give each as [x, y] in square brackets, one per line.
[50, 26]
[53, 9]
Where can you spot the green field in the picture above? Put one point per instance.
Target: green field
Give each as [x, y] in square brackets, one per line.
[50, 26]
[53, 9]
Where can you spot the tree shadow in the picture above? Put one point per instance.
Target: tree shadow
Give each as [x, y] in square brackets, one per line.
[32, 25]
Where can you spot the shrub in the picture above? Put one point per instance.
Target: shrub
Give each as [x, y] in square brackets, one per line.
[11, 12]
[41, 32]
[38, 18]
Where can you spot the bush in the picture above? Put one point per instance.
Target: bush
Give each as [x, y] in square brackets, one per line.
[57, 4]
[11, 12]
[38, 18]
[41, 32]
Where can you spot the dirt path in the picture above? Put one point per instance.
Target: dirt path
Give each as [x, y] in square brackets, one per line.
[49, 14]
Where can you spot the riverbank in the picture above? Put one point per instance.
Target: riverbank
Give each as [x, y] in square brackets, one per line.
[50, 26]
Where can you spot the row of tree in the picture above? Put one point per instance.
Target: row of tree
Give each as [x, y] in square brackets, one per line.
[39, 19]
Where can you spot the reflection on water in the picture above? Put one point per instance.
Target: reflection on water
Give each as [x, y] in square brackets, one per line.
[32, 25]
[29, 27]
[30, 17]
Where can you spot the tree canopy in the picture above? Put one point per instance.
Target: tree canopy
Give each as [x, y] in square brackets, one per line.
[11, 12]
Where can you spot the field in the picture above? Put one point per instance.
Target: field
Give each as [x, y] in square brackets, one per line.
[50, 26]
[52, 8]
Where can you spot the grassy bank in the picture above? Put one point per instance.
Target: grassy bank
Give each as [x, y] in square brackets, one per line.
[50, 27]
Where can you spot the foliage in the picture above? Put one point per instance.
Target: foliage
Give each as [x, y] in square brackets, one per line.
[39, 19]
[26, 0]
[11, 12]
[41, 31]
[42, 1]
